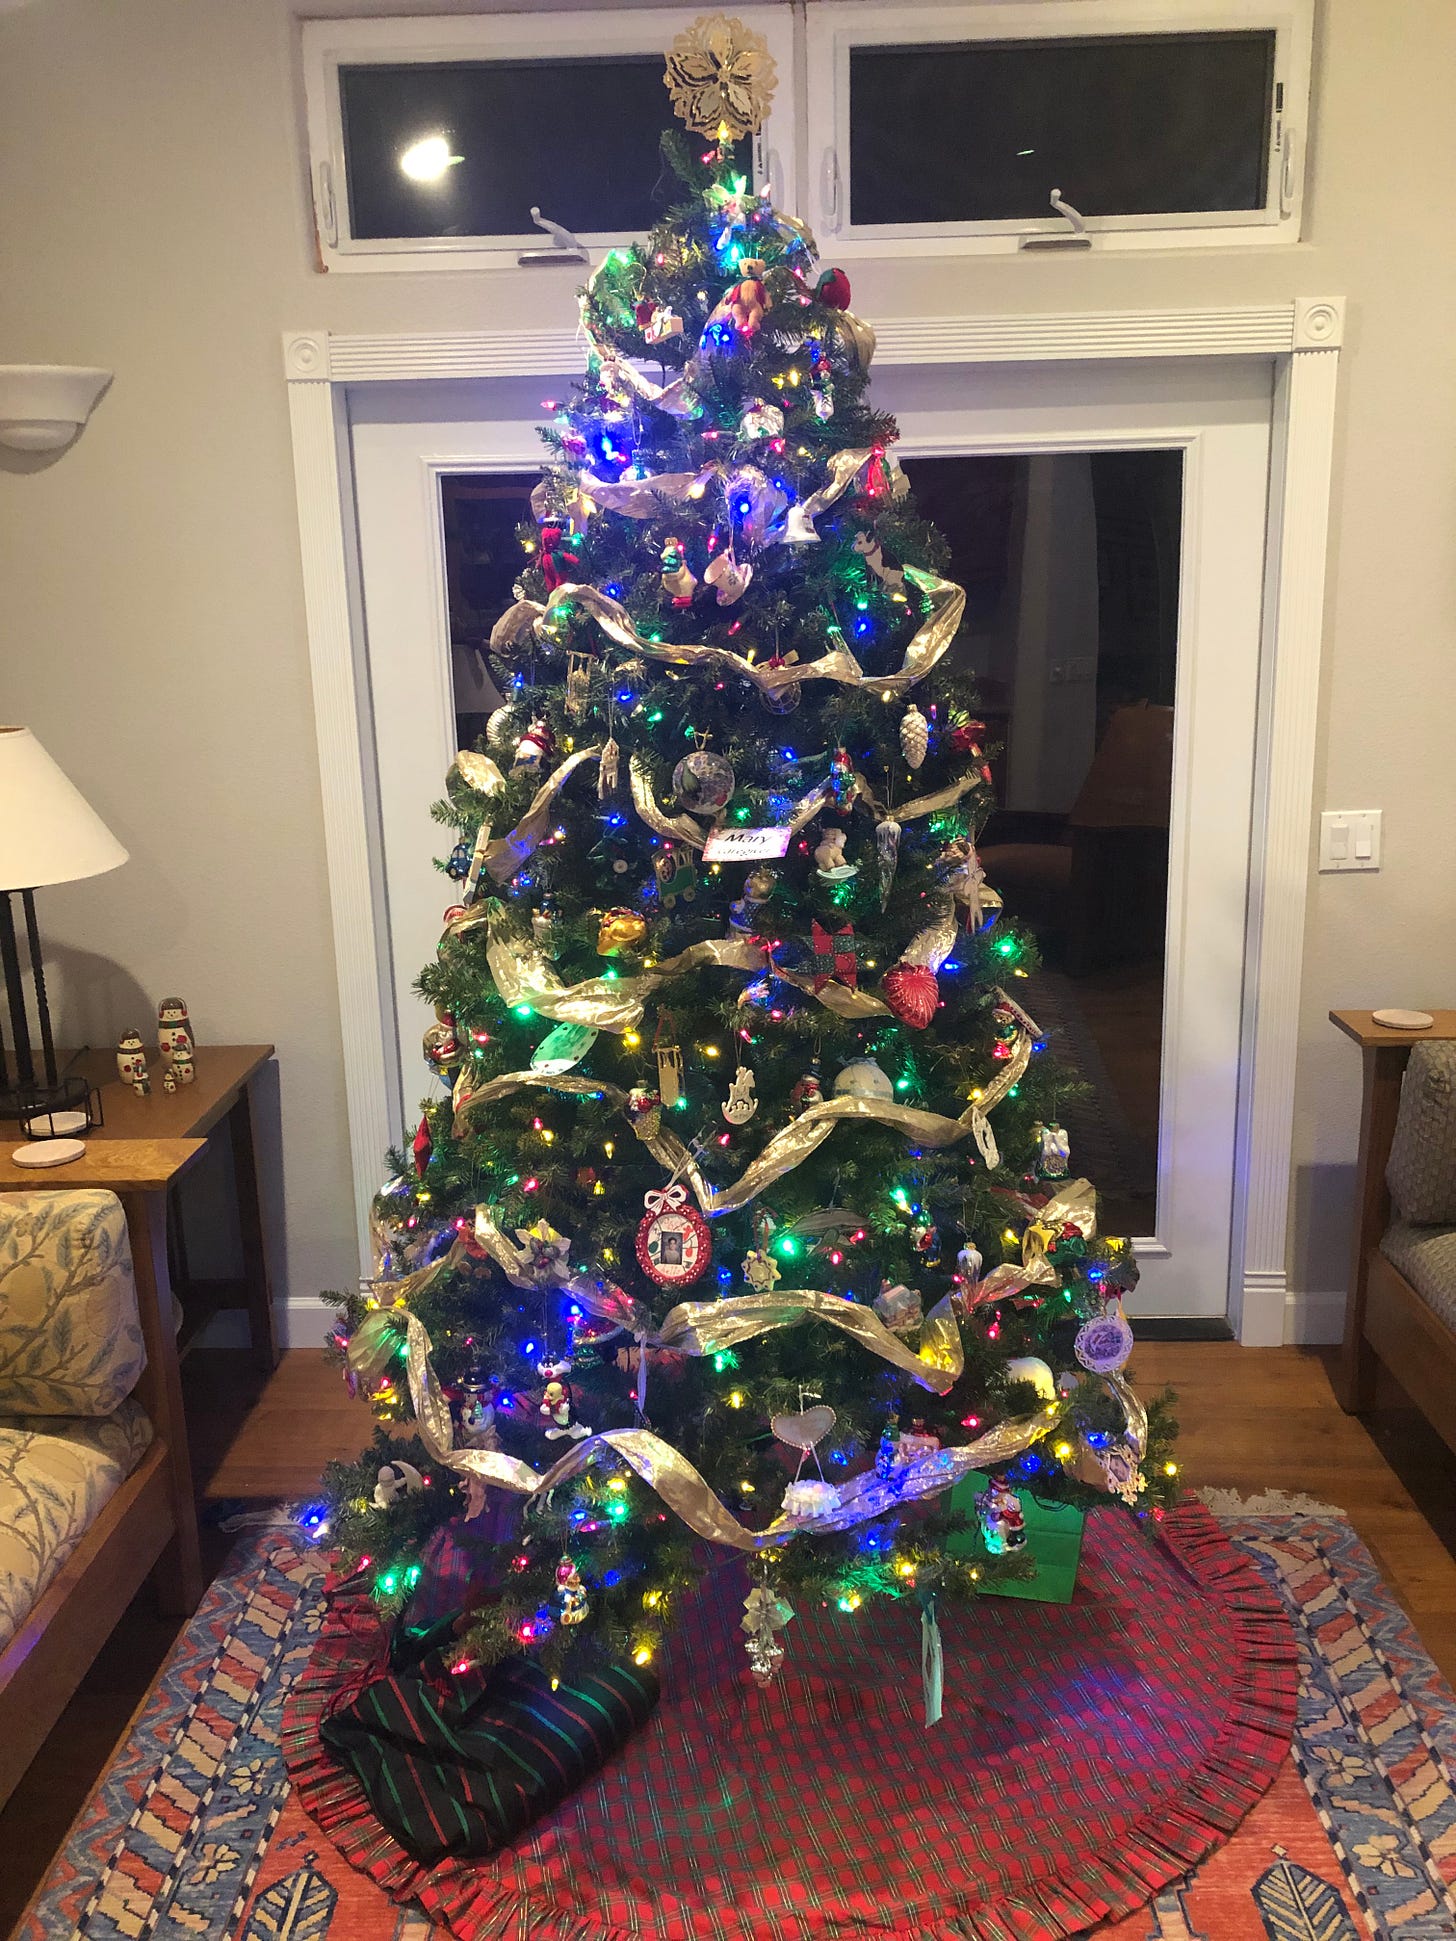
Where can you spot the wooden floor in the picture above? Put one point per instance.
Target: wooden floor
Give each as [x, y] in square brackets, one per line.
[1253, 1419]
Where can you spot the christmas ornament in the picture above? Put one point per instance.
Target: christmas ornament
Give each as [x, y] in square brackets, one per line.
[644, 1111]
[552, 538]
[544, 1256]
[422, 1146]
[742, 1100]
[843, 782]
[720, 78]
[703, 782]
[535, 746]
[914, 736]
[887, 855]
[1056, 1150]
[1104, 1344]
[968, 1264]
[748, 302]
[174, 1031]
[873, 555]
[458, 866]
[764, 1613]
[727, 578]
[1003, 1522]
[806, 1090]
[917, 1441]
[674, 1245]
[821, 397]
[571, 1601]
[799, 527]
[783, 699]
[619, 930]
[131, 1063]
[608, 768]
[578, 685]
[498, 725]
[442, 1051]
[926, 1242]
[829, 858]
[888, 1451]
[836, 956]
[661, 322]
[810, 1499]
[761, 1270]
[899, 1307]
[862, 1078]
[912, 993]
[669, 1059]
[394, 1480]
[806, 1429]
[544, 928]
[676, 876]
[1031, 1368]
[477, 1417]
[1115, 1469]
[562, 1049]
[761, 420]
[182, 1071]
[755, 503]
[832, 289]
[759, 886]
[556, 1403]
[678, 578]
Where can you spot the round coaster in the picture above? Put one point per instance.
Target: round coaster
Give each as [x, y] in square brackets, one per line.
[1394, 1020]
[63, 1124]
[48, 1152]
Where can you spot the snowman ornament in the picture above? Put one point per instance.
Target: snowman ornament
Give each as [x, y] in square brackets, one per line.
[742, 1100]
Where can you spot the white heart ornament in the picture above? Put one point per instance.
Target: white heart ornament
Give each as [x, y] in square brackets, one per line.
[802, 1431]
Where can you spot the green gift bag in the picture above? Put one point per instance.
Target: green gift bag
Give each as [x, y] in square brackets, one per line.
[1053, 1541]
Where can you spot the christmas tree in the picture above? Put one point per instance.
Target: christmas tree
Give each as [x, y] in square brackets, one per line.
[745, 1226]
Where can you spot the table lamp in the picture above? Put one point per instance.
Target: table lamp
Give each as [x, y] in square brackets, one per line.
[48, 834]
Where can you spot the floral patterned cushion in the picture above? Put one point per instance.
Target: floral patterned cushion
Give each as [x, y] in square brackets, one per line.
[55, 1474]
[70, 1338]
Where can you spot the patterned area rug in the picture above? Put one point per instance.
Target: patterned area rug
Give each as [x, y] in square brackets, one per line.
[195, 1830]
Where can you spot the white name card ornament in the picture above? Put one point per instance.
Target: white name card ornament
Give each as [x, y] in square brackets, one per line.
[746, 845]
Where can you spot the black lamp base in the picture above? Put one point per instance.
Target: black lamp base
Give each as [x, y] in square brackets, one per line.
[37, 1106]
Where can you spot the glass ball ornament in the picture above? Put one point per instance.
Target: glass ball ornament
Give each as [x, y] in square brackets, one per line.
[704, 781]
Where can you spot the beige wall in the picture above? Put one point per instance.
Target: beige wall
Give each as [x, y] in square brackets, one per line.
[152, 218]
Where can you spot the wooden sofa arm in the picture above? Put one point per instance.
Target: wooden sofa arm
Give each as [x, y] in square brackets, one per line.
[1384, 1055]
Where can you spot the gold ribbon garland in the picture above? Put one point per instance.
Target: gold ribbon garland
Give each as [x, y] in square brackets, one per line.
[927, 646]
[382, 1334]
[1075, 1205]
[789, 1146]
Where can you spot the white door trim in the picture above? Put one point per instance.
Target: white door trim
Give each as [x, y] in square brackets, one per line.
[1303, 337]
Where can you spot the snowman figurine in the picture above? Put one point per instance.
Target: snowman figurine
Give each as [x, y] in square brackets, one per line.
[131, 1063]
[174, 1031]
[180, 1072]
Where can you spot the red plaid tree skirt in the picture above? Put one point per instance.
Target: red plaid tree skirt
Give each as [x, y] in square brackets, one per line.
[1089, 1754]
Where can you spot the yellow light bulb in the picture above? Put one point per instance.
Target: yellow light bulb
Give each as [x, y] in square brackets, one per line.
[735, 1398]
[652, 1599]
[906, 1569]
[547, 1134]
[1170, 1469]
[609, 1146]
[710, 1051]
[747, 1487]
[1062, 1451]
[1009, 1236]
[642, 1655]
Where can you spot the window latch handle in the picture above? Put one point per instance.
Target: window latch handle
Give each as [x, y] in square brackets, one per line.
[1287, 172]
[328, 215]
[829, 188]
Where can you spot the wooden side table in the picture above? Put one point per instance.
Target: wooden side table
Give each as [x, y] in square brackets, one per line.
[1384, 1054]
[190, 1116]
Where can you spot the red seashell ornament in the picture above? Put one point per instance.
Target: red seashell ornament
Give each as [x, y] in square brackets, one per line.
[912, 993]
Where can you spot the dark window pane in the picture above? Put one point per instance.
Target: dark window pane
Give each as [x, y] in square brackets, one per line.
[1122, 125]
[576, 137]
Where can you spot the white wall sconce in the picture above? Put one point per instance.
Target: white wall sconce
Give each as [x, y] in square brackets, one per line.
[43, 406]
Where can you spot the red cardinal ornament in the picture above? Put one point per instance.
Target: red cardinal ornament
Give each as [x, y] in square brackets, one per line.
[912, 993]
[423, 1146]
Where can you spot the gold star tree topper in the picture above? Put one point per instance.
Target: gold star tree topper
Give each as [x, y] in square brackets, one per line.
[721, 77]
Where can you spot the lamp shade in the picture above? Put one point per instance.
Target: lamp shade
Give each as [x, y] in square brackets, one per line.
[49, 833]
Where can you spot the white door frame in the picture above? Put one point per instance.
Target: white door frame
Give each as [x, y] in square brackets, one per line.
[1303, 339]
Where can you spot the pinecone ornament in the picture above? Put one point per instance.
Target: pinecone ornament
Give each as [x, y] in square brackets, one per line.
[914, 736]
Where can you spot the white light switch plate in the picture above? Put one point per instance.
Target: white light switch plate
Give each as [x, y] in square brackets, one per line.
[1349, 839]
